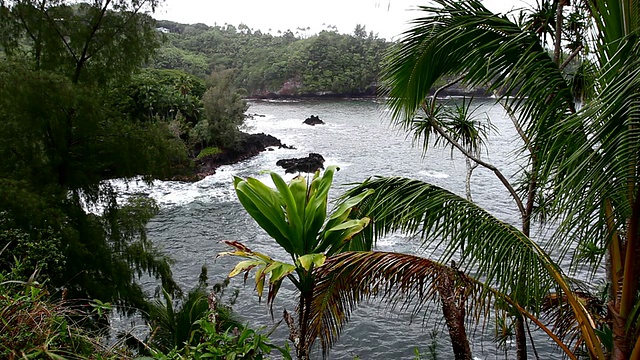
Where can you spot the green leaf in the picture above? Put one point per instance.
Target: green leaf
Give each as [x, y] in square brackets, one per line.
[265, 206]
[279, 270]
[336, 237]
[244, 266]
[311, 260]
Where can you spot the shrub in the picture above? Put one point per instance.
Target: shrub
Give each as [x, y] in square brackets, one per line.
[33, 326]
[208, 151]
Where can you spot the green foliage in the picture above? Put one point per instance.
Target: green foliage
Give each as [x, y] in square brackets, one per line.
[85, 42]
[64, 133]
[245, 344]
[295, 216]
[287, 64]
[37, 246]
[34, 326]
[202, 327]
[580, 149]
[208, 151]
[160, 95]
[173, 328]
[170, 57]
[224, 108]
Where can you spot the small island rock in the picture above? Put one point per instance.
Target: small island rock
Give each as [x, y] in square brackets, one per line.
[313, 120]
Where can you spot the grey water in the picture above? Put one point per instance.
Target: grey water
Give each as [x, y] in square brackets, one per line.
[357, 137]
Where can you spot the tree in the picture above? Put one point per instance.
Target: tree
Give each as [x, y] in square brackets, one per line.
[224, 108]
[295, 216]
[581, 171]
[62, 136]
[85, 42]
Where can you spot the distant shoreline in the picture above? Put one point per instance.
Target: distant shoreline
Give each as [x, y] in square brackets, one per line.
[453, 91]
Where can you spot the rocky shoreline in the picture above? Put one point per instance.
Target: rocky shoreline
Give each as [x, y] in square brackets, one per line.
[249, 145]
[245, 147]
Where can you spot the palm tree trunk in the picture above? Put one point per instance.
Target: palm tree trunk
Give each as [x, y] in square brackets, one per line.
[622, 341]
[521, 338]
[453, 308]
[558, 39]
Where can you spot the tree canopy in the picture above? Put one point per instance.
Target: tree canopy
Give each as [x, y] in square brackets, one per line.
[63, 135]
[287, 64]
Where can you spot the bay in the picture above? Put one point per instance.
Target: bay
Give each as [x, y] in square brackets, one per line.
[357, 137]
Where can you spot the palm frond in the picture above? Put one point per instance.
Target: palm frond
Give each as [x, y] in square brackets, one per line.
[557, 311]
[400, 280]
[494, 252]
[601, 165]
[465, 38]
[491, 250]
[349, 278]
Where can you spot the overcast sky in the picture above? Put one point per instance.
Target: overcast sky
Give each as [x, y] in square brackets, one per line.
[387, 18]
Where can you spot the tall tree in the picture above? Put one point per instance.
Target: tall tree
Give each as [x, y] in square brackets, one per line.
[62, 137]
[582, 154]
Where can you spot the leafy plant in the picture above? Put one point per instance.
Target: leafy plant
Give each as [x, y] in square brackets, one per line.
[295, 216]
[35, 326]
[240, 344]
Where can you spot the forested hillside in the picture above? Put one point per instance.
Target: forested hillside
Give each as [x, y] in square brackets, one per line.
[328, 63]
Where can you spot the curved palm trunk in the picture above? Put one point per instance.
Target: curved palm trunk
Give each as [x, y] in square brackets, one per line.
[453, 299]
[622, 338]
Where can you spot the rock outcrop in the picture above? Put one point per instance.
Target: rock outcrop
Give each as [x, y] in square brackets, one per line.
[313, 120]
[308, 164]
[246, 146]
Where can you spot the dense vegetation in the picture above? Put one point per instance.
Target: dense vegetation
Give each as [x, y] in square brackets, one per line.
[91, 92]
[567, 75]
[79, 110]
[286, 64]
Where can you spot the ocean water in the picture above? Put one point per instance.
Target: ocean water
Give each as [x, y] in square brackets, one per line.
[357, 137]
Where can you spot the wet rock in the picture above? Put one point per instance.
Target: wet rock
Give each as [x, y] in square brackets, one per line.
[308, 164]
[245, 147]
[313, 120]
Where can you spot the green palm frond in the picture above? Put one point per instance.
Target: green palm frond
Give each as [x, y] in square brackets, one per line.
[601, 165]
[465, 38]
[173, 327]
[492, 250]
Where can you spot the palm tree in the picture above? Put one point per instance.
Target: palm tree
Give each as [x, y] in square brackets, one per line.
[583, 154]
[295, 216]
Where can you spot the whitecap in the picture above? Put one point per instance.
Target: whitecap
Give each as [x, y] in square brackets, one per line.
[433, 174]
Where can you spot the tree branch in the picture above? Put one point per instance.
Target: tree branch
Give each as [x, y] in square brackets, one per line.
[435, 94]
[568, 60]
[85, 49]
[482, 163]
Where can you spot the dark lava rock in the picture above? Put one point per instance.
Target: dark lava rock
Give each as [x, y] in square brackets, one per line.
[246, 146]
[313, 120]
[309, 164]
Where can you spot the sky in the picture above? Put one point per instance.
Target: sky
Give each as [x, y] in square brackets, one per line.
[387, 18]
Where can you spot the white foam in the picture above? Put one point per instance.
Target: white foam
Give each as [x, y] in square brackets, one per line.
[214, 188]
[433, 174]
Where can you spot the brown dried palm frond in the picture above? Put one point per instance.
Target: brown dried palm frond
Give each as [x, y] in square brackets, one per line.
[401, 280]
[557, 312]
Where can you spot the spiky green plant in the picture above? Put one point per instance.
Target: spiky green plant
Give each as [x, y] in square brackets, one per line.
[295, 216]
